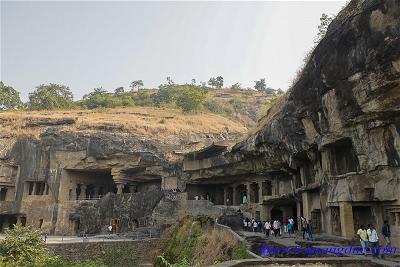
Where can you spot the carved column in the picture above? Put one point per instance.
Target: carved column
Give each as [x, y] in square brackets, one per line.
[346, 220]
[120, 187]
[73, 193]
[82, 194]
[34, 188]
[234, 201]
[248, 192]
[260, 194]
[225, 195]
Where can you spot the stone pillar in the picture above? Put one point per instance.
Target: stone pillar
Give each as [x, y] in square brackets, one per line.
[346, 219]
[234, 201]
[299, 214]
[73, 193]
[275, 187]
[120, 187]
[225, 195]
[306, 205]
[34, 188]
[248, 192]
[82, 194]
[260, 194]
[95, 191]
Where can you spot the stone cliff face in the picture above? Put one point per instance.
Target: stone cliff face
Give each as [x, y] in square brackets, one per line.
[346, 104]
[50, 181]
[330, 148]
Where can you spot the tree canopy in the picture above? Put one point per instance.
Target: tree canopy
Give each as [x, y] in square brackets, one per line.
[9, 98]
[136, 85]
[51, 96]
[189, 98]
[325, 20]
[260, 85]
[100, 98]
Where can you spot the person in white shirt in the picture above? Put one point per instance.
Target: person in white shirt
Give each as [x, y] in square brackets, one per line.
[110, 228]
[267, 227]
[373, 240]
[255, 225]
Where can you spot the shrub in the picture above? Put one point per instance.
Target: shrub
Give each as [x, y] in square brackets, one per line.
[24, 246]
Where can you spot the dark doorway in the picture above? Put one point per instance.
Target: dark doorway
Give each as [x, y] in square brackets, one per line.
[23, 221]
[3, 194]
[276, 214]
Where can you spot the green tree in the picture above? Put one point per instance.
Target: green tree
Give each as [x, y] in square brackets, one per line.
[219, 82]
[51, 96]
[170, 81]
[191, 99]
[212, 82]
[144, 99]
[137, 85]
[119, 91]
[24, 246]
[260, 85]
[9, 98]
[100, 98]
[325, 20]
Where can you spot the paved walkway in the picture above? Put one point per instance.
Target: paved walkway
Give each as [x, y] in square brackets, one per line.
[290, 241]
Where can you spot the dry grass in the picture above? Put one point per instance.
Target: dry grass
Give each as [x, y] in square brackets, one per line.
[143, 121]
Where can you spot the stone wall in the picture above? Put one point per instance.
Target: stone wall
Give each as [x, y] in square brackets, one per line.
[146, 250]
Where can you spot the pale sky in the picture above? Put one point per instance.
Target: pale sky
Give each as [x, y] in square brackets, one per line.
[102, 43]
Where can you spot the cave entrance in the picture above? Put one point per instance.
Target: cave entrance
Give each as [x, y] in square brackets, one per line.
[254, 195]
[212, 192]
[276, 214]
[7, 221]
[90, 184]
[240, 191]
[342, 157]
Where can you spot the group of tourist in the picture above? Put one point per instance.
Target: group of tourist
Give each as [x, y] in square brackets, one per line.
[269, 227]
[369, 238]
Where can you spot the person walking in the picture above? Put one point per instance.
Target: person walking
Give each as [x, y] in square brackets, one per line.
[309, 229]
[285, 224]
[267, 227]
[362, 233]
[277, 228]
[303, 226]
[255, 225]
[290, 229]
[373, 240]
[386, 232]
[110, 228]
[244, 199]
